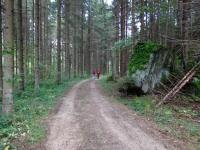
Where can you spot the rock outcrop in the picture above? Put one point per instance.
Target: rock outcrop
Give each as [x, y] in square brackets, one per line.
[149, 65]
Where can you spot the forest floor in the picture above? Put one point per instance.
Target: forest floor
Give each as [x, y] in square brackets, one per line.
[88, 119]
[26, 127]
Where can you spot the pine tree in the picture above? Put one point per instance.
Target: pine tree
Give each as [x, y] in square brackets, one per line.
[58, 75]
[8, 71]
[1, 54]
[37, 47]
[21, 46]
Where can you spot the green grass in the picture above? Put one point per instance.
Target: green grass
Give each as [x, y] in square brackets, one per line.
[176, 121]
[30, 110]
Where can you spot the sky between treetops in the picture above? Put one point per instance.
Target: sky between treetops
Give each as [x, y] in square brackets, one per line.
[109, 2]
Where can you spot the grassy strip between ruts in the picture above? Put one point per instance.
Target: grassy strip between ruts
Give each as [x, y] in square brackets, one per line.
[171, 120]
[24, 125]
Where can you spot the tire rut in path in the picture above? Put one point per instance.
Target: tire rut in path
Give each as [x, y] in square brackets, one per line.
[87, 120]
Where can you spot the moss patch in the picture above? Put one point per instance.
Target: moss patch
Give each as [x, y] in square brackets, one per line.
[141, 55]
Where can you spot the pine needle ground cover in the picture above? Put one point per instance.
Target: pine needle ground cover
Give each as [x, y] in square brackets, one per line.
[25, 124]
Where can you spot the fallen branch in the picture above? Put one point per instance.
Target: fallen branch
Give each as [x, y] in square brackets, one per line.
[181, 83]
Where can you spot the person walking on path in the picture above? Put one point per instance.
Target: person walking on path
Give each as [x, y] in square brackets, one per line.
[94, 74]
[98, 74]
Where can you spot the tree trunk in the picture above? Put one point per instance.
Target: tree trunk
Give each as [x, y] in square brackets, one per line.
[41, 45]
[26, 42]
[88, 49]
[21, 47]
[1, 69]
[75, 48]
[142, 28]
[37, 48]
[68, 61]
[117, 28]
[123, 35]
[185, 31]
[133, 22]
[8, 58]
[33, 37]
[82, 38]
[48, 42]
[58, 80]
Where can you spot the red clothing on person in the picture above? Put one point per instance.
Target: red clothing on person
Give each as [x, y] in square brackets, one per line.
[98, 74]
[94, 73]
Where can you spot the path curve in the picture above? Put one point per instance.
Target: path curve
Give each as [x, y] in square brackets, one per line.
[87, 120]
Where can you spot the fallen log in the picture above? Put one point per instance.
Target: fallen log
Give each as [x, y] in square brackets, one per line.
[188, 77]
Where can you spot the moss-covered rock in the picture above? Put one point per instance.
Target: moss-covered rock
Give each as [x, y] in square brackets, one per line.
[148, 64]
[142, 53]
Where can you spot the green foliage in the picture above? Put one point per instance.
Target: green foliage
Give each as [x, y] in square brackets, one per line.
[122, 45]
[142, 105]
[110, 78]
[8, 52]
[196, 86]
[124, 83]
[141, 55]
[29, 111]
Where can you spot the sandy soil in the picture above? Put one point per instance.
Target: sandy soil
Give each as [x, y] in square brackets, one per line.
[89, 120]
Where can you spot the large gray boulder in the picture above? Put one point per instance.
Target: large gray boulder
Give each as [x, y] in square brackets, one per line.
[150, 75]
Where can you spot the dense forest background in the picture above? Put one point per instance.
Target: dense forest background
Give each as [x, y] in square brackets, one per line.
[60, 40]
[48, 45]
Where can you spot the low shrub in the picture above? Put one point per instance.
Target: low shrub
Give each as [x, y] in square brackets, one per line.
[110, 78]
[127, 87]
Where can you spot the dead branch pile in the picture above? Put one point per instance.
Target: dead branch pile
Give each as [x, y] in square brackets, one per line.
[188, 77]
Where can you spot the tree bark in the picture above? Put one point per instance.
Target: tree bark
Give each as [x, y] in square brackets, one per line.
[82, 38]
[41, 45]
[185, 31]
[133, 22]
[123, 36]
[21, 47]
[37, 48]
[58, 79]
[8, 59]
[142, 27]
[75, 42]
[117, 28]
[88, 49]
[33, 37]
[68, 61]
[1, 65]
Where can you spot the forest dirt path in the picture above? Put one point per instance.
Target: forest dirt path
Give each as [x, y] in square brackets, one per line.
[88, 120]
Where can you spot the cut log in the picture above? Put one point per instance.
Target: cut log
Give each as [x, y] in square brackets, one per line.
[188, 77]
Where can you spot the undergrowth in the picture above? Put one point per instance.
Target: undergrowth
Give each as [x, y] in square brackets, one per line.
[25, 123]
[176, 121]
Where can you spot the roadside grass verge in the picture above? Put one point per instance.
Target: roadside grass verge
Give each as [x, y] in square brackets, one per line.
[25, 124]
[177, 121]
